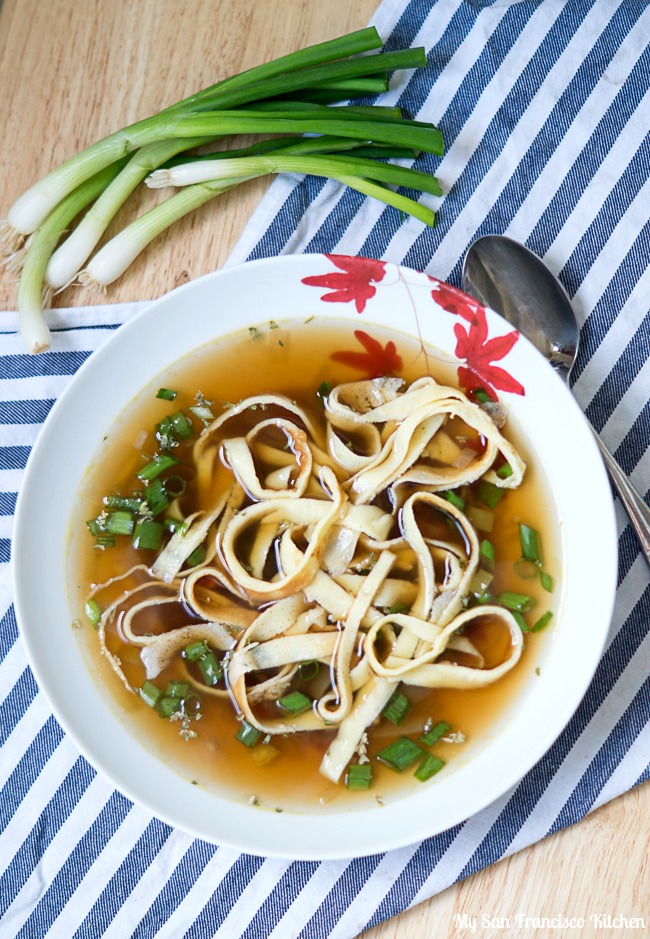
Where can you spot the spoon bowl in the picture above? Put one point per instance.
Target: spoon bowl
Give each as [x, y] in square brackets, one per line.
[507, 277]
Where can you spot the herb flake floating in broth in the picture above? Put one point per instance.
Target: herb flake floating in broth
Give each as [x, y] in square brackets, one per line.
[317, 572]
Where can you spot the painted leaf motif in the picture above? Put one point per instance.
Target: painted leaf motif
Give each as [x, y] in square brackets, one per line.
[474, 346]
[376, 361]
[355, 283]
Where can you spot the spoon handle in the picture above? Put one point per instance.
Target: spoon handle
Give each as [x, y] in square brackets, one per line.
[635, 506]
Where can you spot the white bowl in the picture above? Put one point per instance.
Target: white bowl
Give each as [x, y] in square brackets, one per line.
[185, 320]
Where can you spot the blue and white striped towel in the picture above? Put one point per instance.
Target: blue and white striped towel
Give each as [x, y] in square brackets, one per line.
[545, 108]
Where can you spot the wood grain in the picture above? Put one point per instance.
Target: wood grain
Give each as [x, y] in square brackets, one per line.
[72, 71]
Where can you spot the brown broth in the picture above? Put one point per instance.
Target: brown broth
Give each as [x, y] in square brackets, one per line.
[293, 360]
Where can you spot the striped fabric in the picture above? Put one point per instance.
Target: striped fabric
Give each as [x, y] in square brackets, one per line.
[545, 108]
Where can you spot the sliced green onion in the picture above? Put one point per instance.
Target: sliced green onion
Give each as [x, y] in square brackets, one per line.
[178, 689]
[295, 703]
[519, 602]
[396, 608]
[435, 733]
[195, 650]
[148, 534]
[324, 389]
[210, 668]
[487, 553]
[530, 543]
[158, 465]
[542, 622]
[546, 581]
[527, 570]
[175, 486]
[308, 670]
[489, 494]
[358, 776]
[105, 540]
[182, 426]
[504, 471]
[125, 503]
[429, 766]
[400, 753]
[93, 611]
[397, 708]
[248, 735]
[166, 705]
[166, 394]
[156, 496]
[150, 694]
[455, 499]
[481, 395]
[95, 526]
[196, 557]
[521, 622]
[119, 523]
[175, 524]
[202, 413]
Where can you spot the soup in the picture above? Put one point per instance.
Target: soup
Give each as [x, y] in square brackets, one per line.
[308, 580]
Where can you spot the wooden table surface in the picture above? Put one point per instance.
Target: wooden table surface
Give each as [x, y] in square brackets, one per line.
[72, 71]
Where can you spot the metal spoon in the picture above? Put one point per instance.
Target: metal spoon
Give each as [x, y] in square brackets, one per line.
[506, 276]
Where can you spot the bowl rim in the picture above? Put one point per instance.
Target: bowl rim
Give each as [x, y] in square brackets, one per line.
[286, 835]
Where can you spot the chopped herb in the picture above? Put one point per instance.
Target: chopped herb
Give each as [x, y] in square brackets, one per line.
[397, 708]
[521, 622]
[156, 496]
[123, 503]
[148, 534]
[542, 622]
[181, 425]
[455, 499]
[255, 333]
[323, 390]
[435, 733]
[481, 395]
[93, 611]
[530, 543]
[178, 689]
[400, 753]
[196, 557]
[429, 766]
[359, 776]
[308, 670]
[295, 703]
[248, 735]
[150, 694]
[488, 554]
[546, 581]
[527, 570]
[504, 471]
[280, 343]
[489, 494]
[273, 324]
[166, 394]
[158, 465]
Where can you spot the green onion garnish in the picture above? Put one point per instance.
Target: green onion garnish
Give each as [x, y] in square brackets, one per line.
[119, 523]
[166, 394]
[530, 543]
[148, 534]
[156, 496]
[481, 395]
[167, 705]
[397, 708]
[210, 668]
[542, 622]
[95, 526]
[520, 602]
[295, 703]
[182, 425]
[396, 608]
[435, 733]
[308, 670]
[487, 553]
[482, 518]
[124, 503]
[504, 471]
[489, 494]
[178, 689]
[429, 766]
[150, 694]
[480, 583]
[358, 776]
[323, 389]
[521, 622]
[546, 581]
[195, 650]
[174, 524]
[527, 570]
[158, 465]
[248, 735]
[196, 557]
[93, 611]
[455, 499]
[400, 753]
[202, 412]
